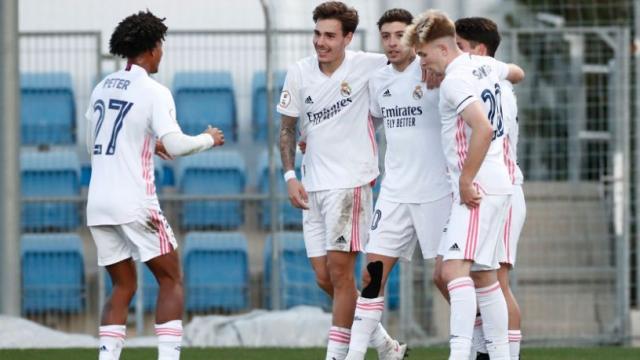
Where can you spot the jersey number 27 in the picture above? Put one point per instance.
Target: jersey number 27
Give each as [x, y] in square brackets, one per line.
[495, 110]
[123, 108]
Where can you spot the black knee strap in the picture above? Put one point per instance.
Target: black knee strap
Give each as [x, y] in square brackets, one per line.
[375, 273]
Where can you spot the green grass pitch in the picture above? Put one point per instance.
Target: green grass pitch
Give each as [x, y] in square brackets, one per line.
[607, 353]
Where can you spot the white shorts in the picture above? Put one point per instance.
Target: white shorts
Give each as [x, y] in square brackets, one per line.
[337, 220]
[513, 224]
[472, 234]
[144, 239]
[396, 227]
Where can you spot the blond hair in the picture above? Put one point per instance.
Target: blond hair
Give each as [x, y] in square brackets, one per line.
[429, 26]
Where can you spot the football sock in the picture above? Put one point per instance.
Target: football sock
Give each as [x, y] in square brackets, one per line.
[515, 337]
[495, 321]
[111, 341]
[169, 340]
[338, 345]
[463, 310]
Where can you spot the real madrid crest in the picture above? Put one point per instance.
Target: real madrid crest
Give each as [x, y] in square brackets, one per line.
[417, 92]
[345, 89]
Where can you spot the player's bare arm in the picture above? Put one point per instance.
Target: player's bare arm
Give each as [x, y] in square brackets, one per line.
[516, 74]
[297, 193]
[481, 134]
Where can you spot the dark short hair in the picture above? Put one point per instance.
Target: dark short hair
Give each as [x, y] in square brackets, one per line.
[337, 10]
[393, 15]
[137, 34]
[481, 31]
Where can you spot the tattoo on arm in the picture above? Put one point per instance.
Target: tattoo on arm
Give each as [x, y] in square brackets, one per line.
[288, 142]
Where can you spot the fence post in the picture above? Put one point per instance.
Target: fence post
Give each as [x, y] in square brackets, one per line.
[9, 155]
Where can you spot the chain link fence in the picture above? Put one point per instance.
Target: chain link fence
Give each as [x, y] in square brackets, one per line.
[574, 271]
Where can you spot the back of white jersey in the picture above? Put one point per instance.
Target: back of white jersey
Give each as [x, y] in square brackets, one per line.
[510, 117]
[334, 120]
[415, 167]
[468, 79]
[127, 112]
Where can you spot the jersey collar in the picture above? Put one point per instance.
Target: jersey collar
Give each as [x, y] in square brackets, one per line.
[456, 62]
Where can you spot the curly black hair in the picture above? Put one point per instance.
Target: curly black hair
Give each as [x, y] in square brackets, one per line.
[137, 34]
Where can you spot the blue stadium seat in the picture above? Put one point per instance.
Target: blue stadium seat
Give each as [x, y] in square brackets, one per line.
[290, 217]
[216, 271]
[149, 287]
[50, 174]
[259, 103]
[297, 279]
[216, 172]
[52, 273]
[204, 98]
[47, 109]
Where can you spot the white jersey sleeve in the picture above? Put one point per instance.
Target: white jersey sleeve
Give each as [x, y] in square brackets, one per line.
[289, 104]
[458, 92]
[374, 105]
[163, 118]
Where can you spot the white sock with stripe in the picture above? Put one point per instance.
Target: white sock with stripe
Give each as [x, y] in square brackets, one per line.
[515, 337]
[338, 345]
[495, 321]
[463, 311]
[380, 338]
[478, 344]
[111, 341]
[365, 321]
[169, 340]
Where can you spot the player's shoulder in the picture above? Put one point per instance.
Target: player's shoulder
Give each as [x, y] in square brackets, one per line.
[156, 88]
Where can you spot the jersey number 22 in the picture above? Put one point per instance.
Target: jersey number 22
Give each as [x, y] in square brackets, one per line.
[495, 110]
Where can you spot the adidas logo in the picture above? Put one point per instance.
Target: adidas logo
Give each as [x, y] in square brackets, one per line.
[454, 247]
[341, 240]
[178, 348]
[103, 348]
[357, 318]
[387, 93]
[308, 100]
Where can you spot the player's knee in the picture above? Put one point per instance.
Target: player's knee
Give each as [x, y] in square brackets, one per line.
[126, 289]
[324, 282]
[341, 276]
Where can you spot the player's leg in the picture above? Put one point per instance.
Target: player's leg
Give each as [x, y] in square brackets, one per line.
[438, 278]
[155, 244]
[513, 227]
[323, 280]
[459, 244]
[170, 304]
[368, 312]
[491, 300]
[115, 254]
[341, 271]
[391, 235]
[431, 227]
[515, 334]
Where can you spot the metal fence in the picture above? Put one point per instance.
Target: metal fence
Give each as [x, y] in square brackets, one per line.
[573, 273]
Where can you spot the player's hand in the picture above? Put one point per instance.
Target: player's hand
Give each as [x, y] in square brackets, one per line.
[162, 151]
[216, 134]
[297, 194]
[303, 147]
[433, 79]
[469, 194]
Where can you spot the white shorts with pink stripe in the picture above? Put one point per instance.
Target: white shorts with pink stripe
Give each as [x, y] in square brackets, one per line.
[513, 224]
[144, 239]
[472, 234]
[337, 220]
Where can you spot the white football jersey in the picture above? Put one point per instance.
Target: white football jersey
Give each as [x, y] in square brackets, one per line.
[334, 120]
[470, 78]
[127, 112]
[415, 167]
[510, 117]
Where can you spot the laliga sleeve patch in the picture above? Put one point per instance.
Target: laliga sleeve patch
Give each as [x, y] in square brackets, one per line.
[285, 99]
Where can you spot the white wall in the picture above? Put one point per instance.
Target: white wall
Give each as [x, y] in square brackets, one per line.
[103, 15]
